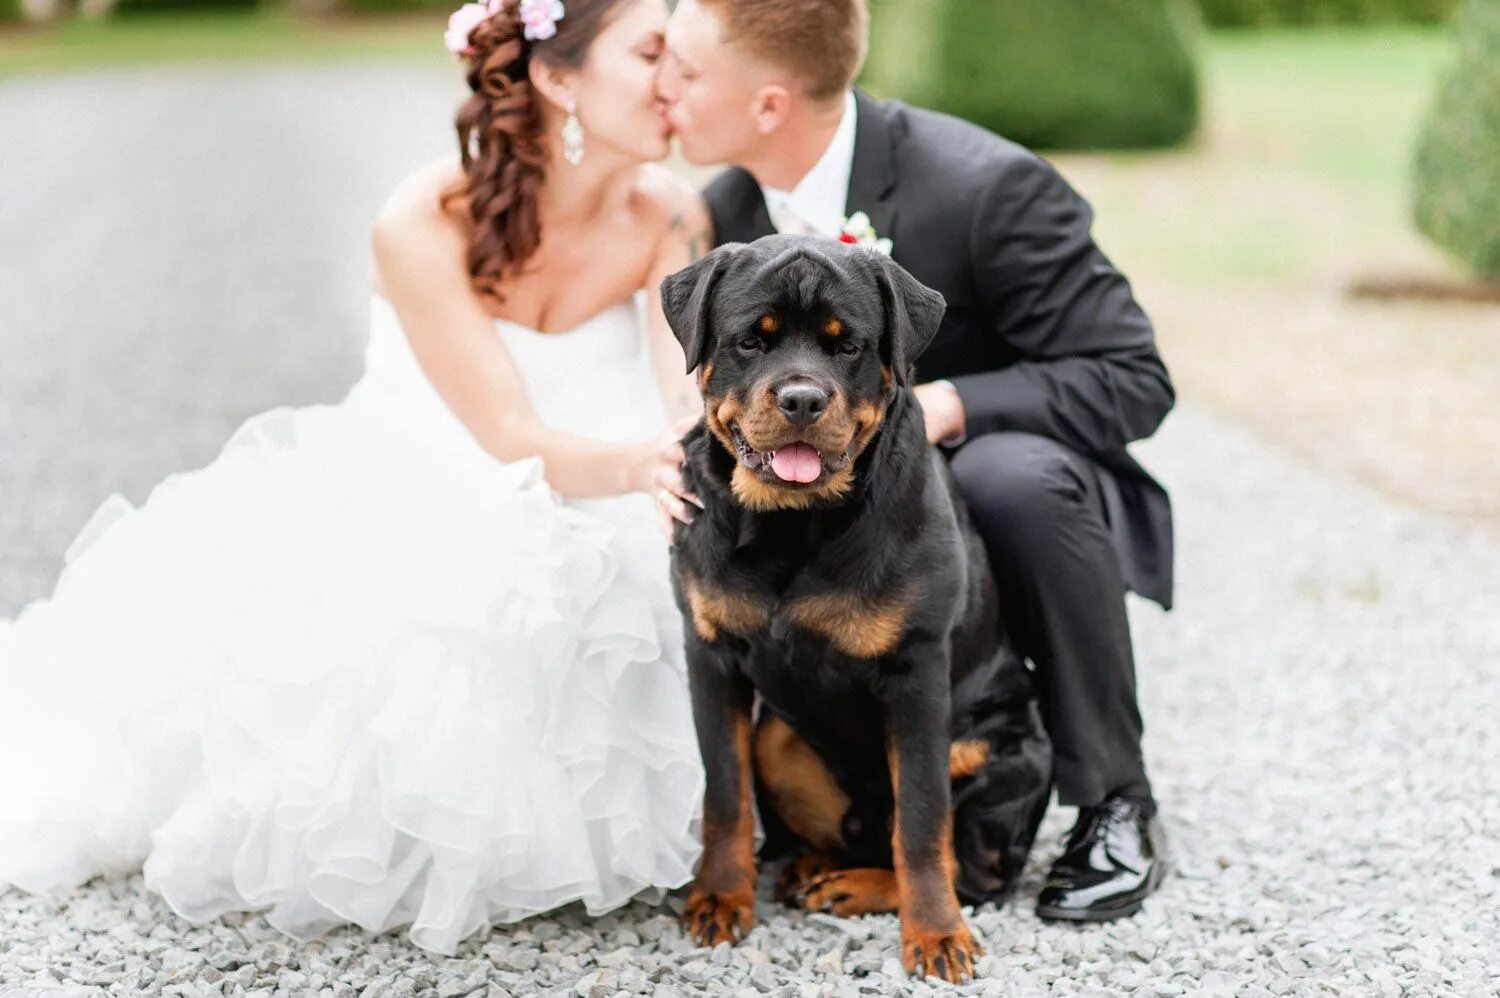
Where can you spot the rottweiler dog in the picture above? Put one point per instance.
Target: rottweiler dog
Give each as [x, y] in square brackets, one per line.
[835, 572]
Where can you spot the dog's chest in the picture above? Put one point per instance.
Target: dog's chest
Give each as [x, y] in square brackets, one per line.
[764, 597]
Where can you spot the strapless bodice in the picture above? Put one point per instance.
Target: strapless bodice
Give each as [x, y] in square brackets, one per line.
[595, 379]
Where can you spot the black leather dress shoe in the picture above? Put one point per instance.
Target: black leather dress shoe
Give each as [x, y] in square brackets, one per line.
[1115, 858]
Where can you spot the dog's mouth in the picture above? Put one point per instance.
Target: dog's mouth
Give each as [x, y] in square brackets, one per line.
[796, 462]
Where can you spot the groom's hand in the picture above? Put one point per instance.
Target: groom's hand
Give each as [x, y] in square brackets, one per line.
[942, 410]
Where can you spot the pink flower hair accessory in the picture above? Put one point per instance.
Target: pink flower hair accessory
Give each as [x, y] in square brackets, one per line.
[462, 22]
[540, 18]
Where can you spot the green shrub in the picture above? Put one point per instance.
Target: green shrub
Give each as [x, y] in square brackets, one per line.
[148, 8]
[10, 10]
[1457, 199]
[1262, 12]
[382, 5]
[1053, 74]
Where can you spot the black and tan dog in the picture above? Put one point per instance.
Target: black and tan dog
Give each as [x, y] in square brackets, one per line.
[834, 571]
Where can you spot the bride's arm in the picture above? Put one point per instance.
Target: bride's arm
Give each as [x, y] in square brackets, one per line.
[419, 268]
[686, 234]
[680, 217]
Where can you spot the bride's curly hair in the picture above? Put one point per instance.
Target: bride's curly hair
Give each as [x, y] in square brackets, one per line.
[500, 135]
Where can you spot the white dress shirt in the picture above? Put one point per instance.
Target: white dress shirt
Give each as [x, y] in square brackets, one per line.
[816, 205]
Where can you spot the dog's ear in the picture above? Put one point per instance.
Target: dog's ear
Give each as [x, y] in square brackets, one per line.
[913, 312]
[687, 298]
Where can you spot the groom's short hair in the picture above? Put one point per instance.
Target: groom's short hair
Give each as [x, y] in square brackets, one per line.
[822, 42]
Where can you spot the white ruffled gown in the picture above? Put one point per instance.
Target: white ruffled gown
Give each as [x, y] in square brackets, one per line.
[358, 670]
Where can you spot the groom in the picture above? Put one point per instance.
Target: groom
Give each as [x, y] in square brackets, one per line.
[1043, 369]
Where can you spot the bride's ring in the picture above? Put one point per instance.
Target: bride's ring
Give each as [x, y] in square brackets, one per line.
[662, 497]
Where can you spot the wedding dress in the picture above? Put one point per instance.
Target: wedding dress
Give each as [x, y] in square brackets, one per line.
[358, 670]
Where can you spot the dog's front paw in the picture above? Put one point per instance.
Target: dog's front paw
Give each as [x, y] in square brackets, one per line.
[713, 917]
[853, 892]
[946, 954]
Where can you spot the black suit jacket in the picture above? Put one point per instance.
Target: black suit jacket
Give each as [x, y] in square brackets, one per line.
[1042, 334]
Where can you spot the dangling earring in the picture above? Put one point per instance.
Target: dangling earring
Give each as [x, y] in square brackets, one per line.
[572, 134]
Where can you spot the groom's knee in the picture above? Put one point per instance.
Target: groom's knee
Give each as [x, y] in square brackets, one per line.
[1022, 488]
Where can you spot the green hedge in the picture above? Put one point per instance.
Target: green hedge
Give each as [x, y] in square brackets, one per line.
[149, 8]
[1262, 12]
[10, 10]
[1457, 199]
[383, 5]
[1052, 74]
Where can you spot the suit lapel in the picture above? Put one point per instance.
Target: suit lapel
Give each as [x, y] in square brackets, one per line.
[760, 219]
[872, 178]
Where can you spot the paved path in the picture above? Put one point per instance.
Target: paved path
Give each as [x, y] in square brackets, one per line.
[1323, 707]
[180, 249]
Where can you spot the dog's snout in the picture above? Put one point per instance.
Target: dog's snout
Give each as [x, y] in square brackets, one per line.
[802, 403]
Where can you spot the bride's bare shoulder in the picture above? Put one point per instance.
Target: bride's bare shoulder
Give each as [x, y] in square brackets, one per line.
[412, 223]
[666, 205]
[414, 210]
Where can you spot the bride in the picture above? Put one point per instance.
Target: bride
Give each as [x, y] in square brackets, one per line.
[411, 659]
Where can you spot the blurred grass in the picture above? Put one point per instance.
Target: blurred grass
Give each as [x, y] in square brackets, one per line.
[217, 36]
[1346, 102]
[1305, 154]
[1242, 247]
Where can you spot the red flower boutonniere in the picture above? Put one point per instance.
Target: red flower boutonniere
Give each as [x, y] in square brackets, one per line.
[858, 231]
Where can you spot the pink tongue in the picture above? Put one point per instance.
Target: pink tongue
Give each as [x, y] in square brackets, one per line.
[797, 463]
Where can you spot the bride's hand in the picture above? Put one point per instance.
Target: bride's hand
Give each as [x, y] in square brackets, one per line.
[663, 476]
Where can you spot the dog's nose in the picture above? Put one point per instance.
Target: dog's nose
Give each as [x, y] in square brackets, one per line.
[802, 403]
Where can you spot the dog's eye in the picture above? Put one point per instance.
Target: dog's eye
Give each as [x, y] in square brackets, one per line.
[849, 349]
[750, 344]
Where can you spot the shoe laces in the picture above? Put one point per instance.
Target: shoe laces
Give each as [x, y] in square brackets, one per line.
[1090, 817]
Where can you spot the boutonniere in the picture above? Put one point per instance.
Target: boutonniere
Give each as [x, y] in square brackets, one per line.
[857, 230]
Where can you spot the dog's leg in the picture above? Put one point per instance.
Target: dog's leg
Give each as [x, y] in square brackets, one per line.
[799, 785]
[806, 798]
[934, 938]
[721, 904]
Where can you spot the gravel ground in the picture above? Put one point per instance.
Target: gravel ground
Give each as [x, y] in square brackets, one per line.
[1321, 707]
[1322, 726]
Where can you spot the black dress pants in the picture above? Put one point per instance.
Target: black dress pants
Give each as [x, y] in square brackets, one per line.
[1038, 507]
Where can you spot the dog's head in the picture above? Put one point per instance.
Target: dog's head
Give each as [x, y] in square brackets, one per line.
[801, 344]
